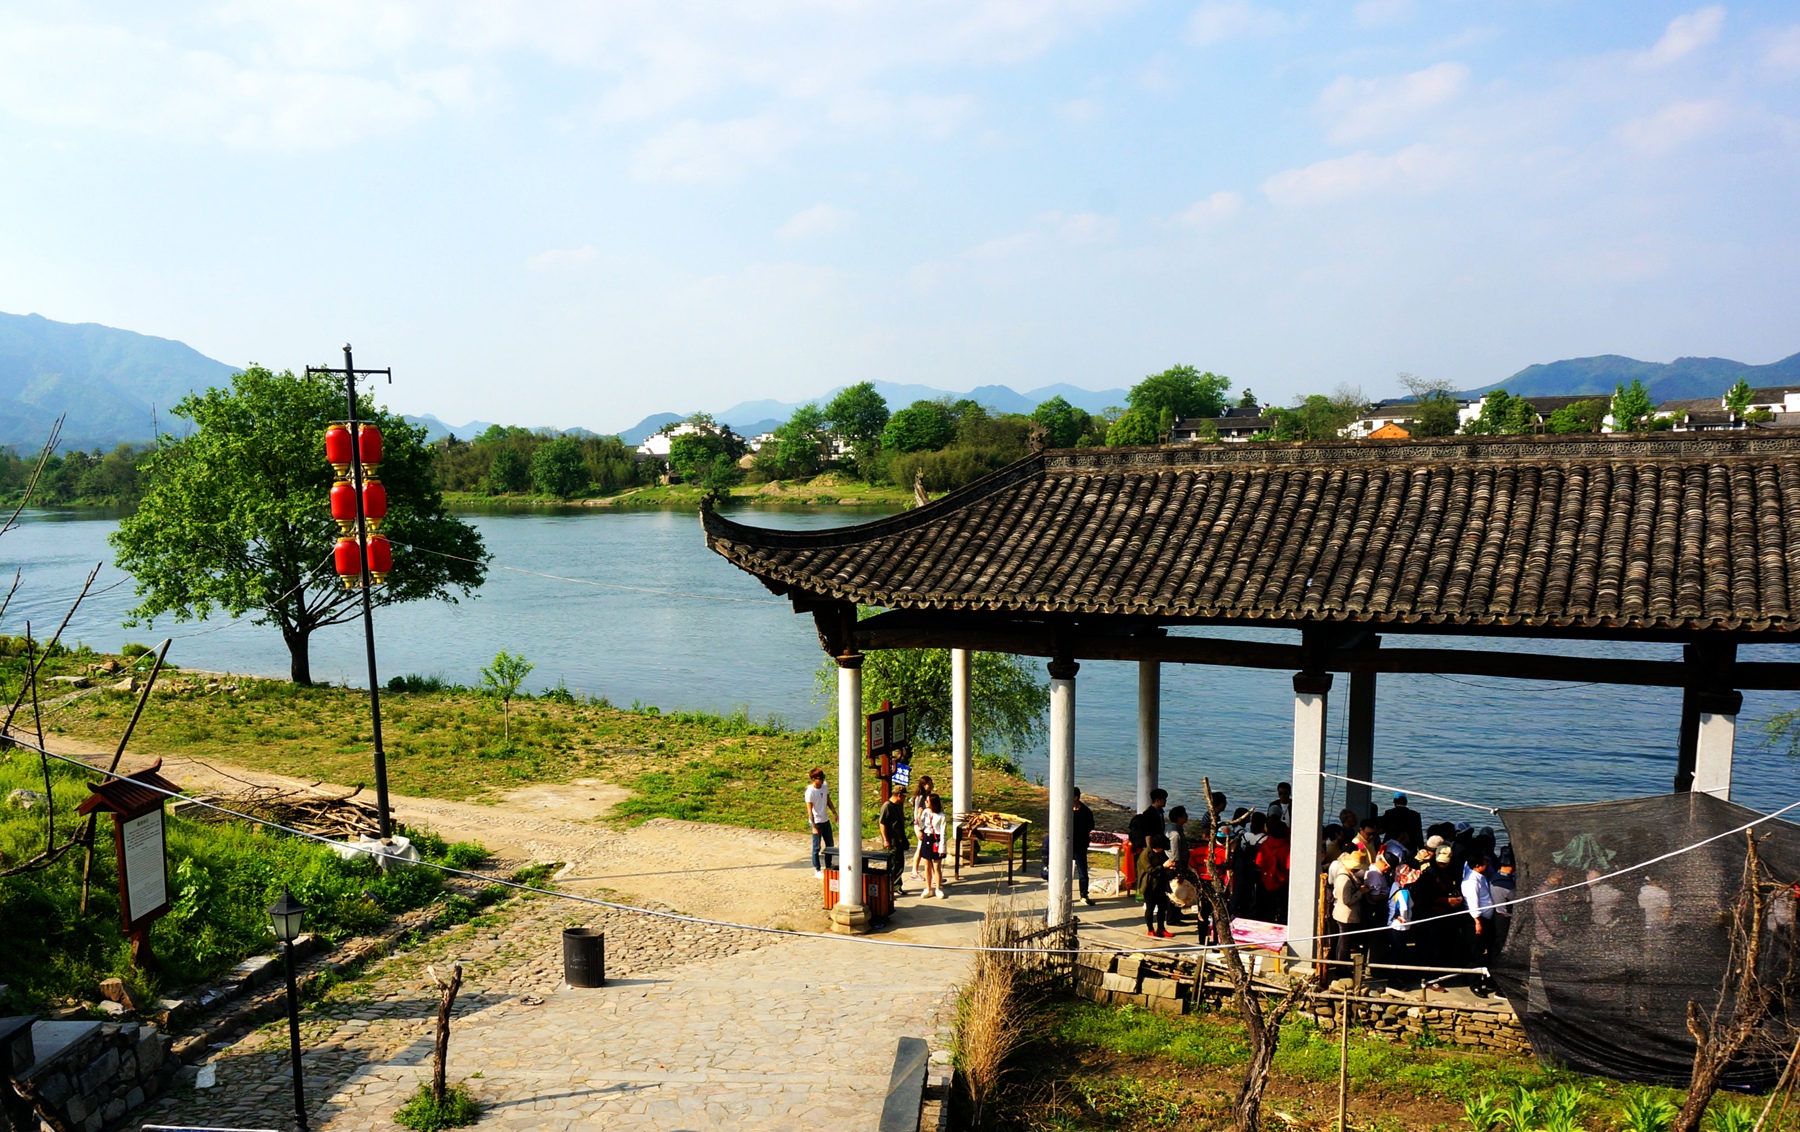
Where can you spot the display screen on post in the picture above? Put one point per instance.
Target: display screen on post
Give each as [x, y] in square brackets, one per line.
[146, 882]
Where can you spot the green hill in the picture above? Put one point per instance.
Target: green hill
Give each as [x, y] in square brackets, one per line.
[1680, 379]
[106, 380]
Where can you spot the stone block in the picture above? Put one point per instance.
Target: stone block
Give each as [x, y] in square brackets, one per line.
[101, 1072]
[1168, 1005]
[56, 1088]
[76, 1110]
[135, 1096]
[114, 1109]
[1120, 983]
[257, 970]
[1161, 988]
[1129, 965]
[114, 1009]
[94, 1123]
[128, 1067]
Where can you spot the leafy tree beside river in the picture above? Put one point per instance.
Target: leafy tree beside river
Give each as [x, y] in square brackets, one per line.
[236, 517]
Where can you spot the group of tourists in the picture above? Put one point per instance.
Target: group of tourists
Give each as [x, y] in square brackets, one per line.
[1400, 892]
[924, 815]
[1170, 852]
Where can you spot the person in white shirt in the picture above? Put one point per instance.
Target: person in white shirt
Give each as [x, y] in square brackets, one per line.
[1478, 898]
[819, 812]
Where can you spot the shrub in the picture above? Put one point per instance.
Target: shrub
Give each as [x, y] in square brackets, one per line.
[1000, 764]
[1645, 1111]
[414, 683]
[132, 649]
[425, 1113]
[949, 468]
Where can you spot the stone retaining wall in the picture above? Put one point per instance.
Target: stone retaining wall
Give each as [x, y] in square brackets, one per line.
[1166, 985]
[93, 1074]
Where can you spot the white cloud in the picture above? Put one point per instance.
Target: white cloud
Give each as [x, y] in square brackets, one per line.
[819, 220]
[1080, 110]
[1215, 21]
[1784, 49]
[560, 259]
[1210, 210]
[115, 78]
[1372, 13]
[1417, 168]
[1368, 108]
[1685, 35]
[1676, 125]
[714, 151]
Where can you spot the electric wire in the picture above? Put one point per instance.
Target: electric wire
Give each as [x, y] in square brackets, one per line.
[678, 917]
[1408, 793]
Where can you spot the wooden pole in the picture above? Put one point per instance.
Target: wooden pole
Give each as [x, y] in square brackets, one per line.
[87, 836]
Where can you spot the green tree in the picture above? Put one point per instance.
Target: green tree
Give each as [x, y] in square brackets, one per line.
[798, 447]
[1737, 398]
[1438, 412]
[1631, 406]
[501, 680]
[1181, 391]
[708, 455]
[508, 472]
[1502, 414]
[1007, 702]
[1319, 417]
[1247, 399]
[1133, 427]
[1578, 416]
[1063, 423]
[857, 415]
[235, 516]
[558, 468]
[923, 426]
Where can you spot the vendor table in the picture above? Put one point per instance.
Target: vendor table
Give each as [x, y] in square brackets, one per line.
[1011, 834]
[1117, 852]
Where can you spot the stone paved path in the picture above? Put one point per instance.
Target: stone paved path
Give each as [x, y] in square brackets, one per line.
[699, 1029]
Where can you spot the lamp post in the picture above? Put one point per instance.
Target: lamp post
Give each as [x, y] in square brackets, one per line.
[284, 917]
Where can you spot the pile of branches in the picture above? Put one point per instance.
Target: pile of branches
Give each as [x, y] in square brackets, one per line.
[340, 817]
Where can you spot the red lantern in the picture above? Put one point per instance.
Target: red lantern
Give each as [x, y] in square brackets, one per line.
[349, 562]
[337, 448]
[371, 445]
[343, 505]
[381, 559]
[374, 504]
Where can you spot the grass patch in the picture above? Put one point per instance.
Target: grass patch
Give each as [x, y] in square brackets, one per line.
[1106, 1067]
[449, 742]
[222, 878]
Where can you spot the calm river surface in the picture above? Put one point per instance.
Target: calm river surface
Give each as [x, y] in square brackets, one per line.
[726, 643]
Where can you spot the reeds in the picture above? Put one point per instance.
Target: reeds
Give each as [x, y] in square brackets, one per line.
[993, 1012]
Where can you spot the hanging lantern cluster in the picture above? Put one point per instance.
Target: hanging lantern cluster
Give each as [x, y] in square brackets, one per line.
[342, 457]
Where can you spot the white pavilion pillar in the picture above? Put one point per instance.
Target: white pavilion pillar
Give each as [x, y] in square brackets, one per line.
[962, 753]
[1311, 691]
[1062, 788]
[850, 917]
[1713, 746]
[1149, 749]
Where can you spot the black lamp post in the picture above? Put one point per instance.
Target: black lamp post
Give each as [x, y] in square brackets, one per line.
[284, 917]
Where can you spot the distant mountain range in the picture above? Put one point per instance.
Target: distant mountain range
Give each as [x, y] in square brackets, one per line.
[111, 382]
[1679, 380]
[108, 381]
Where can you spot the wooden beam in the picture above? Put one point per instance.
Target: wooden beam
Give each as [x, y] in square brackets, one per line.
[907, 629]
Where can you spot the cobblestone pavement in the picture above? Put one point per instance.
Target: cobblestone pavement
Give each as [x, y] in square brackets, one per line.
[698, 1029]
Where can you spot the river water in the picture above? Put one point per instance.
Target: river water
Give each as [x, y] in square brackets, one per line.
[672, 624]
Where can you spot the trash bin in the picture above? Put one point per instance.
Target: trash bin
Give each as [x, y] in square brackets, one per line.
[881, 869]
[584, 957]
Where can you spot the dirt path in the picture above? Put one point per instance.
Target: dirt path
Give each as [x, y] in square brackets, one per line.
[748, 876]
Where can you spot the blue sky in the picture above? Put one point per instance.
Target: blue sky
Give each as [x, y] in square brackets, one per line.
[566, 214]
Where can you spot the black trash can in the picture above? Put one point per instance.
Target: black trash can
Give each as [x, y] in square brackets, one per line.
[584, 957]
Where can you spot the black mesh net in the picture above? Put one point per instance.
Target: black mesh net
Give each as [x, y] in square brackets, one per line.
[1601, 976]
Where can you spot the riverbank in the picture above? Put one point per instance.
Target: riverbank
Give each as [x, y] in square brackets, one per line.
[827, 490]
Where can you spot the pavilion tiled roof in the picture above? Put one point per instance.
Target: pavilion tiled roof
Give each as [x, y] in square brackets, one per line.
[1692, 531]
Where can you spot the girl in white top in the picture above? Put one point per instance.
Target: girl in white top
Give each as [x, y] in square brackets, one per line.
[921, 793]
[931, 846]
